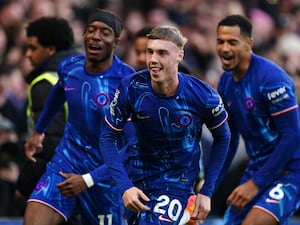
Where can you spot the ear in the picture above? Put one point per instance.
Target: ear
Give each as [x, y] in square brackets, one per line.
[116, 42]
[51, 50]
[180, 55]
[250, 42]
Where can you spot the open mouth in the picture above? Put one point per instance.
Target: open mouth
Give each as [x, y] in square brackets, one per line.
[94, 49]
[226, 59]
[155, 70]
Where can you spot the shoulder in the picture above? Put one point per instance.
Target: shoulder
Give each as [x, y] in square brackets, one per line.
[199, 90]
[262, 65]
[194, 83]
[268, 72]
[72, 60]
[121, 66]
[70, 63]
[138, 78]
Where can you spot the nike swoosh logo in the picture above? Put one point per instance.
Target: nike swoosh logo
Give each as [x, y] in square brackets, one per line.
[164, 219]
[139, 116]
[272, 201]
[69, 88]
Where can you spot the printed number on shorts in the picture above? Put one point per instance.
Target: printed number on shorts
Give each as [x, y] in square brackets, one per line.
[173, 209]
[102, 218]
[276, 192]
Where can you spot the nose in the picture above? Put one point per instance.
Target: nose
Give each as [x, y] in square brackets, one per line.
[97, 35]
[224, 47]
[28, 53]
[154, 57]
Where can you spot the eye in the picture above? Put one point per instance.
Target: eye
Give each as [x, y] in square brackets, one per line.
[90, 29]
[233, 42]
[107, 32]
[162, 52]
[220, 41]
[149, 51]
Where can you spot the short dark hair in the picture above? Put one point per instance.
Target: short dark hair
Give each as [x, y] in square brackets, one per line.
[143, 32]
[52, 31]
[242, 22]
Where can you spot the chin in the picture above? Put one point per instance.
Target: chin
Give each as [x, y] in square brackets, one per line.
[227, 68]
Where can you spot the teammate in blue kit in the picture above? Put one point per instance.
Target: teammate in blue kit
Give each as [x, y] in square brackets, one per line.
[76, 173]
[260, 99]
[168, 109]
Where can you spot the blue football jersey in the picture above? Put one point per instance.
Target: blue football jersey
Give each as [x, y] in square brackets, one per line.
[168, 130]
[265, 93]
[88, 97]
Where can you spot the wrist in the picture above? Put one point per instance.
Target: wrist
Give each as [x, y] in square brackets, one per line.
[88, 180]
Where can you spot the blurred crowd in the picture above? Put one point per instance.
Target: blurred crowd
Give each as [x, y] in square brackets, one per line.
[276, 35]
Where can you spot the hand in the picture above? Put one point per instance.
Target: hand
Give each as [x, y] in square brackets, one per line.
[131, 198]
[72, 186]
[242, 195]
[34, 145]
[202, 208]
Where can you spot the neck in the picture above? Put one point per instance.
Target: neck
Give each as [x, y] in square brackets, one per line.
[241, 70]
[166, 88]
[94, 66]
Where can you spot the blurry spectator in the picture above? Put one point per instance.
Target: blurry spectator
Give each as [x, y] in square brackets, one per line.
[13, 97]
[3, 44]
[288, 46]
[9, 169]
[11, 13]
[7, 131]
[263, 30]
[139, 46]
[40, 8]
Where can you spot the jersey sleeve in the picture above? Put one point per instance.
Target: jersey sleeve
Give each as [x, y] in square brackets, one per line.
[54, 103]
[216, 113]
[279, 97]
[216, 122]
[115, 121]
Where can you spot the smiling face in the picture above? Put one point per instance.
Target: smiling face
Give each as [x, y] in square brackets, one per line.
[100, 42]
[162, 58]
[234, 49]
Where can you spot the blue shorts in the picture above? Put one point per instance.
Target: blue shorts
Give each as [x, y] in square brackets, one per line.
[100, 204]
[166, 207]
[280, 200]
